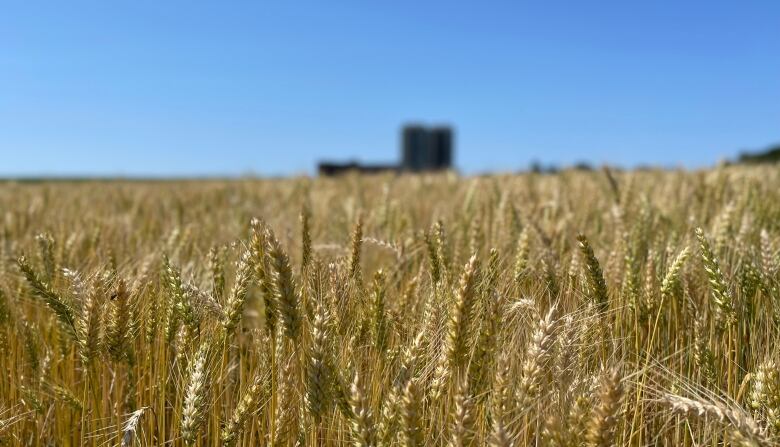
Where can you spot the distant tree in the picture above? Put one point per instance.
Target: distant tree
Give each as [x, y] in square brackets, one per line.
[771, 155]
[582, 166]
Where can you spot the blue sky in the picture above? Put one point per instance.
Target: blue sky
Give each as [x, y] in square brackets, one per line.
[226, 88]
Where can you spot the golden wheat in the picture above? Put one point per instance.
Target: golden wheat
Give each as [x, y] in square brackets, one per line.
[392, 310]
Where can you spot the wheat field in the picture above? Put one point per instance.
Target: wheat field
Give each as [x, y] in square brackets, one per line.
[581, 308]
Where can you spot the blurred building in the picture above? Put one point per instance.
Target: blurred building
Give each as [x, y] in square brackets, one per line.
[414, 147]
[329, 168]
[426, 149]
[422, 149]
[441, 147]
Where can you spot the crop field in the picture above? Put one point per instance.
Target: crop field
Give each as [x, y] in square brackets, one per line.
[601, 308]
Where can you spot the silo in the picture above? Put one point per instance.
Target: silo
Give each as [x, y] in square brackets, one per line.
[440, 141]
[415, 148]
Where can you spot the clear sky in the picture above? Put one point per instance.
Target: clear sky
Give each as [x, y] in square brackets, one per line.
[230, 87]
